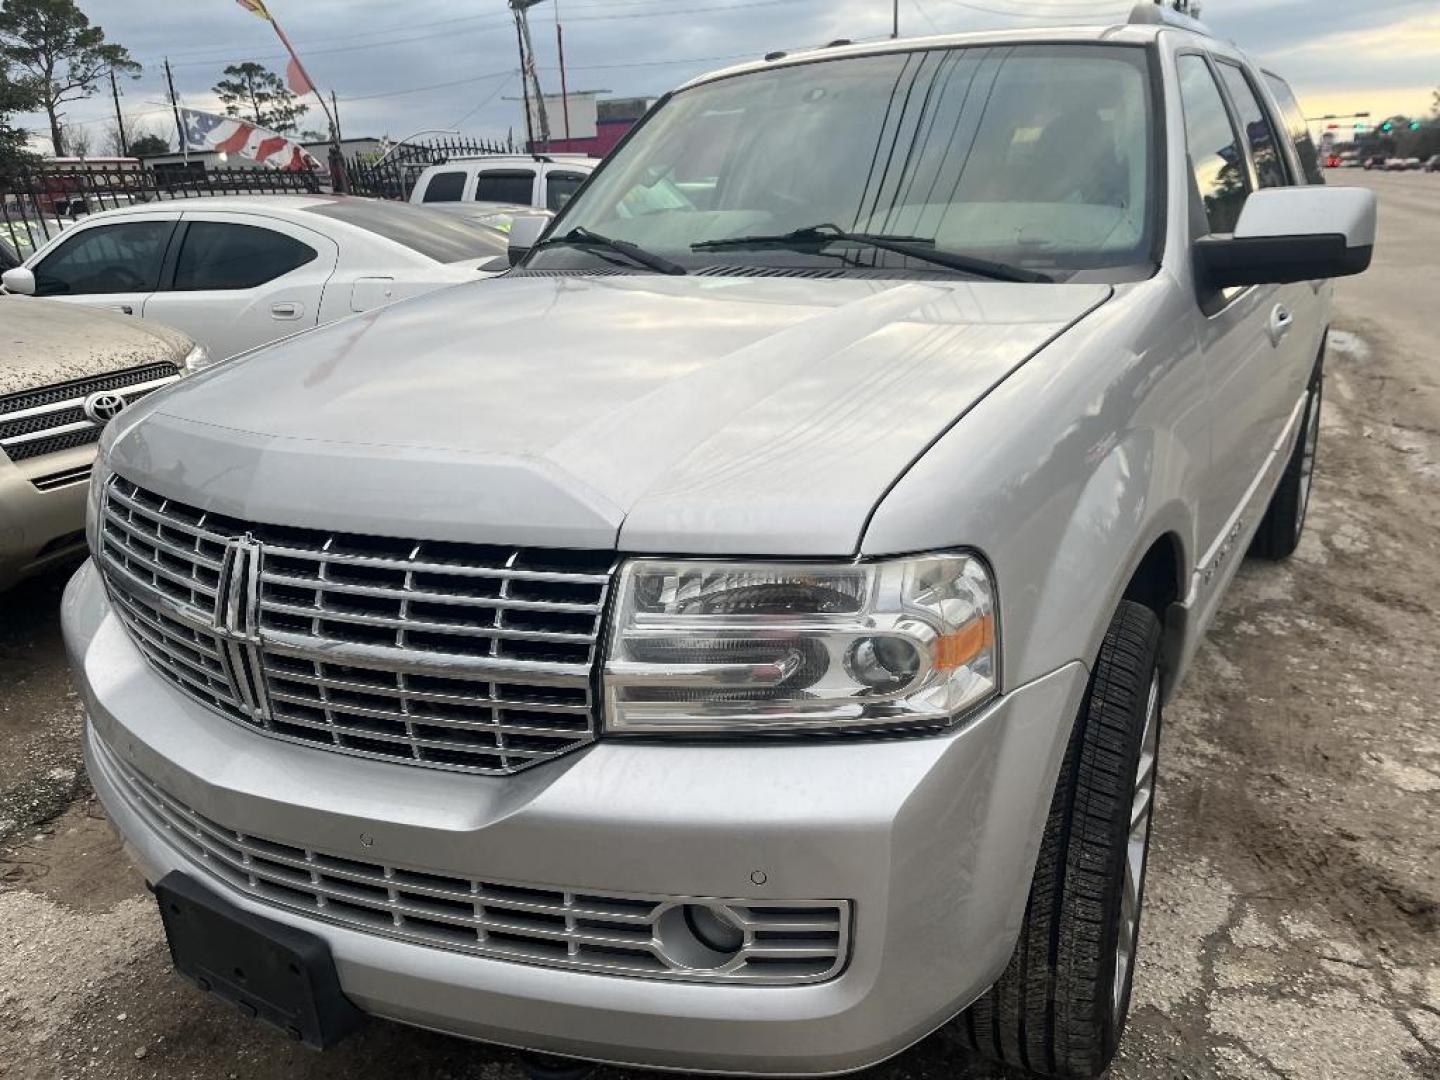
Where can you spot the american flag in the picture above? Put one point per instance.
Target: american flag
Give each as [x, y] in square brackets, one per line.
[226, 134]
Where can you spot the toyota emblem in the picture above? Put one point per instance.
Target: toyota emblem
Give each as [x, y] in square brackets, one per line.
[103, 407]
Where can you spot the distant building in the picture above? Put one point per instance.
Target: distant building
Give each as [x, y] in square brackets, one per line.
[596, 126]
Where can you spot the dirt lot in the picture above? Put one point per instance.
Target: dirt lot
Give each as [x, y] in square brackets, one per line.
[1293, 926]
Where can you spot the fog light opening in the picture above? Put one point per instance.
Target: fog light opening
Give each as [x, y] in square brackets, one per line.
[699, 936]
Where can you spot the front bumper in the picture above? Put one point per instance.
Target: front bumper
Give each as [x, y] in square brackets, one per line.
[42, 527]
[933, 840]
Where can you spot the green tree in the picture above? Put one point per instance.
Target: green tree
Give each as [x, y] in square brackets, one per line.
[17, 95]
[149, 146]
[53, 44]
[254, 92]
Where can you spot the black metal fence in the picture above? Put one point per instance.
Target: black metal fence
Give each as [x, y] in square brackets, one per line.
[38, 203]
[393, 177]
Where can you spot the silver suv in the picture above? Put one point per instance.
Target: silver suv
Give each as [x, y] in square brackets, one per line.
[736, 639]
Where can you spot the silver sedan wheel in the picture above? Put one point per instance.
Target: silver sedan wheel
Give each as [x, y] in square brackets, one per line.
[1137, 845]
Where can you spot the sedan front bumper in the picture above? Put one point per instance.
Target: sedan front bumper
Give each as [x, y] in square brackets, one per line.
[932, 841]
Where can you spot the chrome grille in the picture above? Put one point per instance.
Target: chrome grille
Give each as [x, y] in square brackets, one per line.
[39, 422]
[451, 656]
[779, 943]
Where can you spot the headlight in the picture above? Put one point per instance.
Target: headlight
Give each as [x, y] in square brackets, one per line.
[197, 359]
[737, 647]
[99, 477]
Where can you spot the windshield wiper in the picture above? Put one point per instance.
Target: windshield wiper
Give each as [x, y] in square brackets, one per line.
[914, 247]
[581, 237]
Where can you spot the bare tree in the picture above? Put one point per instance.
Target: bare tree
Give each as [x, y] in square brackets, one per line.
[112, 143]
[76, 140]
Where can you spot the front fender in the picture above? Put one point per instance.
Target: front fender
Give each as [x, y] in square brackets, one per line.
[1066, 474]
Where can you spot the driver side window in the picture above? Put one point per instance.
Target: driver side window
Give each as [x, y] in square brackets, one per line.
[120, 258]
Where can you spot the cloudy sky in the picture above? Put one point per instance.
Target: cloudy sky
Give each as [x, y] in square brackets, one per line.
[399, 66]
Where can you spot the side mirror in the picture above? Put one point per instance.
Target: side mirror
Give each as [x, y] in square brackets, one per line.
[1293, 234]
[524, 233]
[19, 280]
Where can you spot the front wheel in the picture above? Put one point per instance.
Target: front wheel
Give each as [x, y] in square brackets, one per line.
[1060, 1007]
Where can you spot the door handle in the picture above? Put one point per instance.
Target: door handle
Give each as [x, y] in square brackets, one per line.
[1281, 323]
[287, 310]
[126, 309]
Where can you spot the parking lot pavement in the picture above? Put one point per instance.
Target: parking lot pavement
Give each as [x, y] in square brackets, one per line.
[1293, 923]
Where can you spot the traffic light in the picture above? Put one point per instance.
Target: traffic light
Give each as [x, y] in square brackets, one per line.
[1414, 125]
[1362, 127]
[1387, 127]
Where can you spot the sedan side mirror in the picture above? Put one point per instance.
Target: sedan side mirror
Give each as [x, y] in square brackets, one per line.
[524, 233]
[1293, 234]
[19, 280]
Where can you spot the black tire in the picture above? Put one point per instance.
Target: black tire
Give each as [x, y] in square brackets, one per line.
[1284, 522]
[1059, 1009]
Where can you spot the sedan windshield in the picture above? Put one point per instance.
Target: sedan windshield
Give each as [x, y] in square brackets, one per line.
[1029, 163]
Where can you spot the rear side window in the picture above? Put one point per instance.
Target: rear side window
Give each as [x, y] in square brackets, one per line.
[1299, 129]
[1215, 155]
[445, 187]
[560, 188]
[218, 255]
[106, 259]
[506, 185]
[1264, 145]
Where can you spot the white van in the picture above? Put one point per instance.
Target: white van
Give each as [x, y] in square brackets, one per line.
[546, 180]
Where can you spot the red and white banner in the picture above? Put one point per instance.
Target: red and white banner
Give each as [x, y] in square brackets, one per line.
[229, 135]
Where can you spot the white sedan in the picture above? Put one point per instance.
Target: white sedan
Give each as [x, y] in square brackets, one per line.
[235, 273]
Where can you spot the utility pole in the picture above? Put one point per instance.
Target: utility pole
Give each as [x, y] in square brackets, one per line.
[175, 107]
[564, 86]
[524, 86]
[527, 68]
[895, 33]
[335, 105]
[119, 116]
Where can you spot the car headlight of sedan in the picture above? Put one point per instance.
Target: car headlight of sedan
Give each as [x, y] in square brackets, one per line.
[736, 647]
[198, 359]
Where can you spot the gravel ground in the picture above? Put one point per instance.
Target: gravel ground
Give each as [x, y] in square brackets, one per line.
[1293, 919]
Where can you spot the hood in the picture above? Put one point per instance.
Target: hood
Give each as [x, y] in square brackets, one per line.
[700, 415]
[44, 342]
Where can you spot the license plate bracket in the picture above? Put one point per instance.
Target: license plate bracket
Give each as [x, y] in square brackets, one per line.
[272, 972]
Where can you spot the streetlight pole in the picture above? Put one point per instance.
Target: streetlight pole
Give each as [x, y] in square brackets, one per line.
[895, 33]
[416, 135]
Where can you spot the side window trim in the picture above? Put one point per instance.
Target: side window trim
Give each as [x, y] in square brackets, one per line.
[1249, 174]
[1262, 100]
[1292, 152]
[172, 256]
[1242, 136]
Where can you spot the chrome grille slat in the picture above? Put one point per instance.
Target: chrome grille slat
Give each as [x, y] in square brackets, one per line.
[395, 650]
[420, 595]
[424, 567]
[574, 929]
[477, 726]
[411, 625]
[429, 696]
[39, 422]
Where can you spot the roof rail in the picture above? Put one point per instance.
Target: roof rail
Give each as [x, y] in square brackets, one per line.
[1151, 13]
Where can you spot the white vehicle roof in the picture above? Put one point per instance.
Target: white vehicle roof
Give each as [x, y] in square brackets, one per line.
[1146, 23]
[297, 210]
[582, 161]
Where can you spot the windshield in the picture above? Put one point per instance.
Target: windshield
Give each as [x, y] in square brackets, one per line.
[1037, 157]
[435, 235]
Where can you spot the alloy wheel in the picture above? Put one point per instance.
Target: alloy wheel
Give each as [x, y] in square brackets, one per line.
[1136, 849]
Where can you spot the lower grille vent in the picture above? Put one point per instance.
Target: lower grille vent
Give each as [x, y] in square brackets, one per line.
[654, 937]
